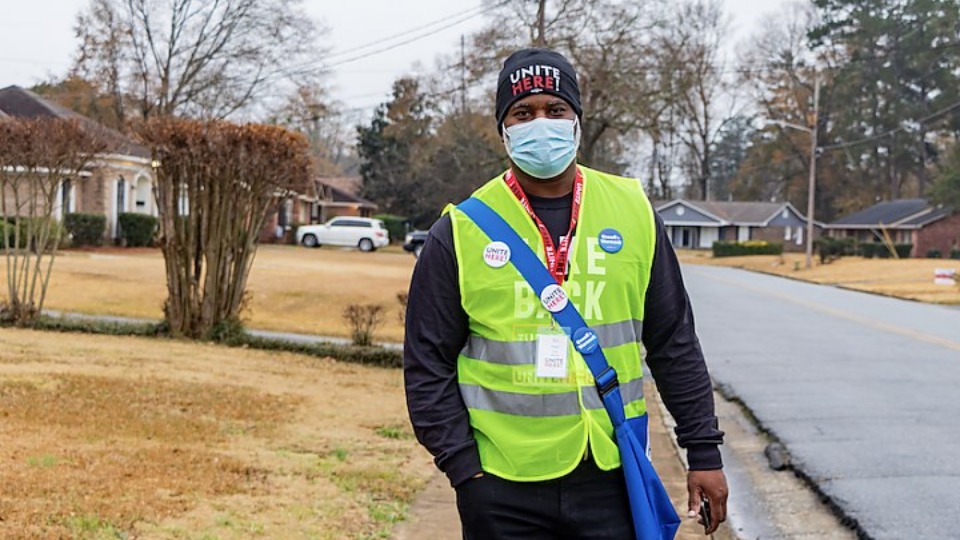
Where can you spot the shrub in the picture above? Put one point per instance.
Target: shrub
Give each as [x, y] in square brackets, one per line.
[934, 254]
[869, 249]
[137, 230]
[85, 229]
[363, 320]
[903, 250]
[10, 227]
[955, 253]
[831, 249]
[396, 226]
[751, 247]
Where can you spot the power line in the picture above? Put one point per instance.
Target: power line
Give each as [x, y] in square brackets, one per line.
[404, 33]
[451, 24]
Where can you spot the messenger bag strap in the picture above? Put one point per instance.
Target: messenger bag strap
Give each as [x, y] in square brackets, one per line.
[585, 340]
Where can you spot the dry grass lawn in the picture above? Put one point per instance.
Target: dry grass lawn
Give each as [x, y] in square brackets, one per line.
[107, 437]
[291, 289]
[906, 278]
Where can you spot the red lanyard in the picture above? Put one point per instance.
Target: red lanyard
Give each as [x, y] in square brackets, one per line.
[556, 255]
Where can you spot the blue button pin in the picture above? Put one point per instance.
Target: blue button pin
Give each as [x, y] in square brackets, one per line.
[611, 241]
[585, 340]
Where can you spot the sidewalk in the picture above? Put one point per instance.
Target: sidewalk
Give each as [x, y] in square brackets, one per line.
[434, 514]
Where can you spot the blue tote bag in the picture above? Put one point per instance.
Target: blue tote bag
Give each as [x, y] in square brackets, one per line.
[654, 517]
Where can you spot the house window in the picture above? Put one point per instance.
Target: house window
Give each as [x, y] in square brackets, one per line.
[66, 196]
[786, 233]
[121, 195]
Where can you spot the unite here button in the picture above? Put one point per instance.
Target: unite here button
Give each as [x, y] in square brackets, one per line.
[554, 298]
[496, 254]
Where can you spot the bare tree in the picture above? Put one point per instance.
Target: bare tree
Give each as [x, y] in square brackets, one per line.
[215, 183]
[36, 157]
[189, 57]
[691, 46]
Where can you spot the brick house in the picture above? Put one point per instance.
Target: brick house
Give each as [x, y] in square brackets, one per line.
[698, 224]
[331, 197]
[904, 221]
[120, 180]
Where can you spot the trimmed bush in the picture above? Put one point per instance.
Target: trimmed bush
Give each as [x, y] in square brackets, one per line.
[831, 249]
[934, 254]
[903, 250]
[396, 226]
[85, 229]
[9, 227]
[955, 253]
[137, 230]
[869, 249]
[750, 247]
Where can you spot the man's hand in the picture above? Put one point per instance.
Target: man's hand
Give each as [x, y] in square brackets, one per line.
[713, 486]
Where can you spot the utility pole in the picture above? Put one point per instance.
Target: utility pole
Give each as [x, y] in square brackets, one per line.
[541, 24]
[811, 188]
[463, 75]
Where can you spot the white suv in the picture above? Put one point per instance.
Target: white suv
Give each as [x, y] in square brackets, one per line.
[364, 233]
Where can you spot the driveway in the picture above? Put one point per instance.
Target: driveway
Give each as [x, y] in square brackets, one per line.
[861, 389]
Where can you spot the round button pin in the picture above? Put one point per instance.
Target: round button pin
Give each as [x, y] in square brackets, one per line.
[611, 240]
[496, 254]
[585, 340]
[554, 298]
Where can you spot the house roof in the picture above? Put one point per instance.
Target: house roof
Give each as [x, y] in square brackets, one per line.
[22, 103]
[348, 184]
[885, 213]
[340, 195]
[927, 218]
[736, 212]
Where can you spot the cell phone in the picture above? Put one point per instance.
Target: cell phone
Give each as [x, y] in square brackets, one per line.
[705, 513]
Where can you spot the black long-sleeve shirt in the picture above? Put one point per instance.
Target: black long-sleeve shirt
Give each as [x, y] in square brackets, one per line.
[437, 329]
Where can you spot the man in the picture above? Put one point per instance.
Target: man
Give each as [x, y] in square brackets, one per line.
[510, 412]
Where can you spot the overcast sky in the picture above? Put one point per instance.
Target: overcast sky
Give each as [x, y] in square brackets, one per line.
[37, 41]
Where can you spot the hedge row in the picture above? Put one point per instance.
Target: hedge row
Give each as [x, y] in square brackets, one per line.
[750, 247]
[830, 249]
[881, 251]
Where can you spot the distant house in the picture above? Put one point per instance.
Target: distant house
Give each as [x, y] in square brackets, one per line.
[904, 221]
[338, 197]
[121, 179]
[329, 197]
[698, 224]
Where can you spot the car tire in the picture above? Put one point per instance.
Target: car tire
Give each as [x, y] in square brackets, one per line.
[366, 245]
[310, 241]
[417, 250]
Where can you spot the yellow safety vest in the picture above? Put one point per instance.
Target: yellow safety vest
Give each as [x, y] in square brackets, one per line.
[531, 428]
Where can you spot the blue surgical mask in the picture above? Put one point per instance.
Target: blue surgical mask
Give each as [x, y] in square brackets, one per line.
[543, 148]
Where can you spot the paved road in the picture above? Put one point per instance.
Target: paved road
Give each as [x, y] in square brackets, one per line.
[863, 390]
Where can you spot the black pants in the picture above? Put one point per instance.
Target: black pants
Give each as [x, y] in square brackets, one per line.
[586, 504]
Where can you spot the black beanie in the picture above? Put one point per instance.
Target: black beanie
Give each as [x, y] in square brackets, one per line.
[532, 71]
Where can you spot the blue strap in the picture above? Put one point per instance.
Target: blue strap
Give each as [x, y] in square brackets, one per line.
[533, 270]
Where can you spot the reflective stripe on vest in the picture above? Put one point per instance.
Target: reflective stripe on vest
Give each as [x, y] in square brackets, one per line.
[519, 353]
[540, 405]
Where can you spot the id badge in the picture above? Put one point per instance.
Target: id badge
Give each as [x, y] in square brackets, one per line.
[552, 353]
